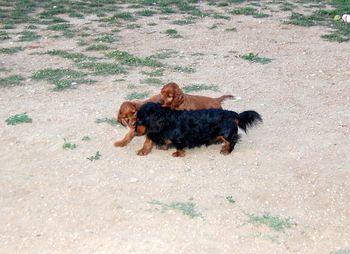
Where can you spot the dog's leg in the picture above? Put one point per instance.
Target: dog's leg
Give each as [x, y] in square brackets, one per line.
[226, 145]
[126, 140]
[179, 153]
[165, 146]
[147, 147]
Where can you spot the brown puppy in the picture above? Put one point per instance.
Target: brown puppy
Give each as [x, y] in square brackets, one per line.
[127, 117]
[173, 97]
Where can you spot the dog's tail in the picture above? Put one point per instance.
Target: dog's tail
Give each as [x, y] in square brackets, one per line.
[248, 119]
[227, 96]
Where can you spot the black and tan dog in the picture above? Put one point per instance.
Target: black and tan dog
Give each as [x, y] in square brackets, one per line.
[192, 128]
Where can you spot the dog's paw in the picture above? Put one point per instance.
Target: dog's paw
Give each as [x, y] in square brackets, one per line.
[163, 147]
[120, 144]
[143, 152]
[179, 154]
[224, 152]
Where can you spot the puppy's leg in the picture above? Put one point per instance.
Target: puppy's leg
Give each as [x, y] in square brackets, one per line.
[126, 140]
[179, 153]
[165, 146]
[147, 147]
[226, 145]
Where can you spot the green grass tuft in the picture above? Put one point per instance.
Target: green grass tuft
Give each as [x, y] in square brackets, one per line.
[75, 57]
[275, 223]
[97, 46]
[255, 58]
[230, 199]
[136, 96]
[127, 59]
[103, 68]
[345, 250]
[68, 145]
[184, 69]
[18, 119]
[173, 33]
[29, 36]
[200, 87]
[153, 82]
[4, 35]
[110, 121]
[187, 208]
[95, 157]
[14, 80]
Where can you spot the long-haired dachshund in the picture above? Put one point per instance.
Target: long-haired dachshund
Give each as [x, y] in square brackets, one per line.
[173, 97]
[193, 128]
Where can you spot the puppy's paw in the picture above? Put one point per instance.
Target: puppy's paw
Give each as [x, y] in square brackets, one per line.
[120, 143]
[224, 151]
[163, 147]
[143, 152]
[179, 153]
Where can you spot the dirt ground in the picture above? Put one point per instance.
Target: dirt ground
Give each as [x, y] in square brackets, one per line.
[295, 165]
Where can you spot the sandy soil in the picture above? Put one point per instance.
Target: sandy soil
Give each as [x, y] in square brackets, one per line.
[296, 165]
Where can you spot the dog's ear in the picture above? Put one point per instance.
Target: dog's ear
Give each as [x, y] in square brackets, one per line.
[178, 99]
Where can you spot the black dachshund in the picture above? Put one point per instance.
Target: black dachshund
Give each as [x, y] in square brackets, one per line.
[192, 128]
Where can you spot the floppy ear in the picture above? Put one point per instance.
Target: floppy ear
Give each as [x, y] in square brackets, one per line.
[178, 98]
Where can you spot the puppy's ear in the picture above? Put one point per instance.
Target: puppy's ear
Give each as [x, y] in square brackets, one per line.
[179, 98]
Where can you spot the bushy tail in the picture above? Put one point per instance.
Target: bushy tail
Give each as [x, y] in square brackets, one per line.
[228, 96]
[249, 119]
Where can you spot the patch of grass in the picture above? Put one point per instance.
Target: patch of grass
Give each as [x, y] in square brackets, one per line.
[4, 35]
[75, 57]
[106, 38]
[32, 27]
[187, 21]
[345, 250]
[95, 157]
[255, 58]
[187, 208]
[10, 51]
[200, 87]
[153, 82]
[184, 69]
[14, 80]
[59, 27]
[127, 59]
[249, 11]
[132, 26]
[68, 145]
[244, 11]
[97, 47]
[233, 29]
[29, 36]
[103, 68]
[230, 199]
[136, 96]
[110, 121]
[286, 6]
[152, 24]
[86, 138]
[173, 33]
[155, 73]
[62, 78]
[275, 223]
[220, 16]
[164, 53]
[213, 26]
[146, 13]
[54, 74]
[18, 119]
[301, 20]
